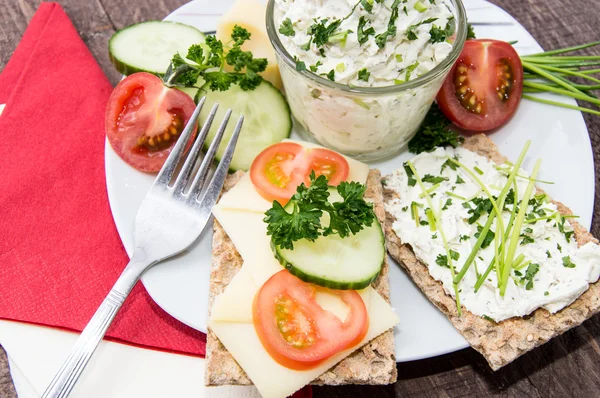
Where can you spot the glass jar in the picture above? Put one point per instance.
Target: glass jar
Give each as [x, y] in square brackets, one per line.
[367, 123]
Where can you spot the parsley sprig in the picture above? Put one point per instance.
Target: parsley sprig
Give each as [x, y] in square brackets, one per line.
[208, 61]
[434, 132]
[308, 206]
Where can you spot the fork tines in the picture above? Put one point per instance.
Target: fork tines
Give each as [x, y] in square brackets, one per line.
[198, 183]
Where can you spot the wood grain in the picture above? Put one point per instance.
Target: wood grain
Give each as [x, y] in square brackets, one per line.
[568, 366]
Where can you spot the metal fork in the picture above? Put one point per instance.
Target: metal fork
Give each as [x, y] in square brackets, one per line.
[170, 218]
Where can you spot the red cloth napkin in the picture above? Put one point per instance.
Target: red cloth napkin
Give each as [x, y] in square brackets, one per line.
[60, 252]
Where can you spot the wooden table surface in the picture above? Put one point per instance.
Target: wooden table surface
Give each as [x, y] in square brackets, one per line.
[567, 366]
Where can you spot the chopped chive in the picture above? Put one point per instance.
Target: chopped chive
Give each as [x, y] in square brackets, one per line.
[517, 228]
[567, 93]
[550, 77]
[431, 219]
[443, 235]
[430, 190]
[420, 7]
[478, 170]
[500, 250]
[563, 50]
[452, 194]
[561, 104]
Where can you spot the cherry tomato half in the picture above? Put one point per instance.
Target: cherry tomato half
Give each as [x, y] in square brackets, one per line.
[483, 89]
[279, 169]
[144, 118]
[296, 331]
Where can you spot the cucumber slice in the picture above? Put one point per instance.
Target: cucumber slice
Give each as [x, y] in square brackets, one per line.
[337, 263]
[150, 46]
[267, 120]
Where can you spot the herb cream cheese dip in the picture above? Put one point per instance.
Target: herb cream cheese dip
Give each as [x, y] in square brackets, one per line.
[358, 44]
[553, 271]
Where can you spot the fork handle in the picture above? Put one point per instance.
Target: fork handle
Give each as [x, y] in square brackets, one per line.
[68, 374]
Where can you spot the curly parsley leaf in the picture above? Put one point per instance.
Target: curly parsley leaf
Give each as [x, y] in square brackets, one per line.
[434, 132]
[439, 35]
[527, 279]
[364, 74]
[363, 34]
[434, 179]
[470, 32]
[566, 260]
[307, 206]
[382, 38]
[207, 61]
[489, 237]
[286, 28]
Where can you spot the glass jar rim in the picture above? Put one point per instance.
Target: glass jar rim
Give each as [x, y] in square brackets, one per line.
[457, 46]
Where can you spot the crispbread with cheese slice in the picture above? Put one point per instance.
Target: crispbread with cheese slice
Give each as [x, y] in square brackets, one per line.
[373, 363]
[503, 342]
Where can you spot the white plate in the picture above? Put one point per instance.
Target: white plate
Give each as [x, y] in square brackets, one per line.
[559, 136]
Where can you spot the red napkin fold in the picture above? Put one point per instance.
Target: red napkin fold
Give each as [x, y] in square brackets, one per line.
[60, 252]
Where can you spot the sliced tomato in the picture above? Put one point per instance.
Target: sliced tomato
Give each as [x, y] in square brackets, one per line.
[296, 331]
[279, 169]
[144, 118]
[483, 89]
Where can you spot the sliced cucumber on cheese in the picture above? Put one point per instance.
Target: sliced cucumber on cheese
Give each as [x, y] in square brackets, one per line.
[150, 46]
[330, 261]
[267, 120]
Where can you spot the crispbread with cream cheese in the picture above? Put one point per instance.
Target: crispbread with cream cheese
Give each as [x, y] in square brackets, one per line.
[503, 342]
[374, 363]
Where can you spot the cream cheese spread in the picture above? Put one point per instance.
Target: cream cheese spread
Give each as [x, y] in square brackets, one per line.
[558, 271]
[372, 43]
[416, 46]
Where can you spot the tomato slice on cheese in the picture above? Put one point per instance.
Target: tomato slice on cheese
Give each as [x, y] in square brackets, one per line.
[281, 168]
[296, 331]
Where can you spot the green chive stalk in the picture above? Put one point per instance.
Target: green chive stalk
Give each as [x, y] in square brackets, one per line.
[514, 239]
[443, 235]
[501, 199]
[548, 72]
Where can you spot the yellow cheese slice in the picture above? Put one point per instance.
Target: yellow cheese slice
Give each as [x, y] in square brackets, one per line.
[237, 305]
[250, 14]
[276, 381]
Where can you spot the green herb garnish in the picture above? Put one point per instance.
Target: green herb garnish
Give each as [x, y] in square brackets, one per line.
[208, 61]
[439, 35]
[434, 179]
[363, 34]
[286, 28]
[527, 279]
[364, 74]
[526, 240]
[308, 205]
[489, 238]
[566, 260]
[381, 38]
[434, 132]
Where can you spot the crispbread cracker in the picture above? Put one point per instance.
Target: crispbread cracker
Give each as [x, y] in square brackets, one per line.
[500, 343]
[374, 363]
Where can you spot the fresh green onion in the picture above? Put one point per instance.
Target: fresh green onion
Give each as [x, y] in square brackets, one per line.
[439, 226]
[561, 104]
[514, 239]
[566, 93]
[430, 219]
[564, 50]
[430, 190]
[452, 194]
